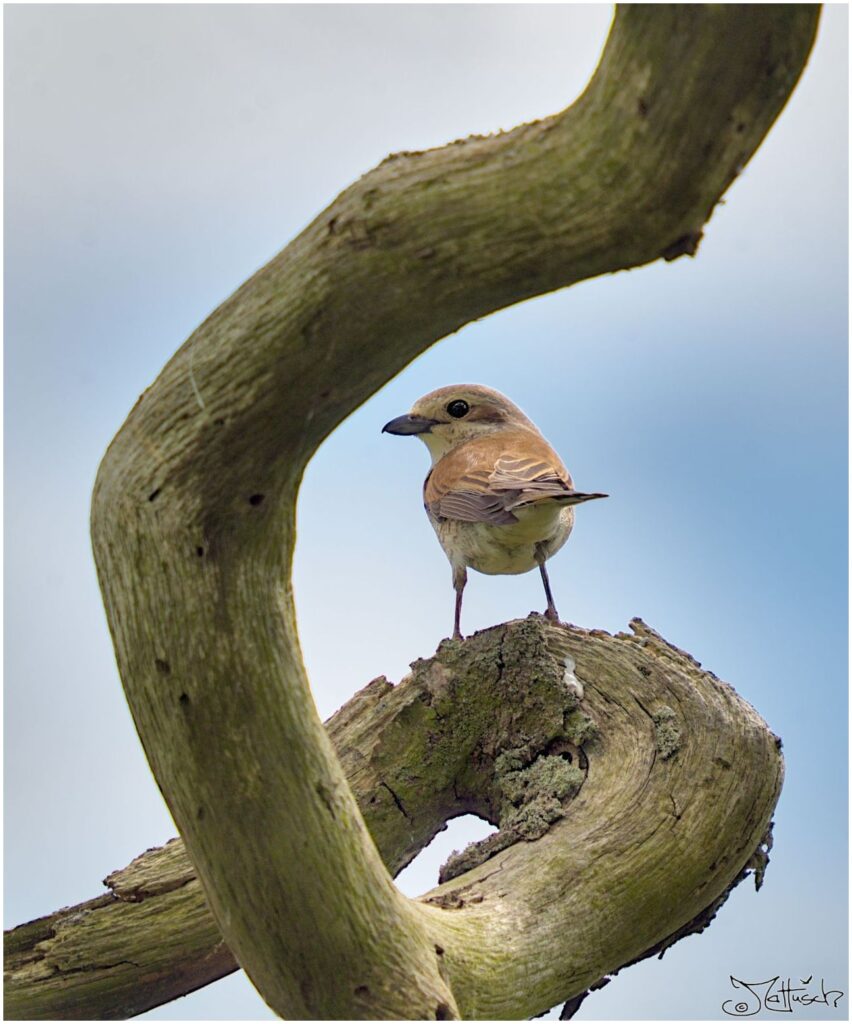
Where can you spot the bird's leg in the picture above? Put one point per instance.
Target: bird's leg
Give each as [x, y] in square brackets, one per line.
[459, 581]
[551, 612]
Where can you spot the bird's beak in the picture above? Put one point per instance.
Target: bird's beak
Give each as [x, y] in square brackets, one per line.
[409, 424]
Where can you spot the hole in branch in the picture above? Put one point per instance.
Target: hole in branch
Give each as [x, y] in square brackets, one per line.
[422, 873]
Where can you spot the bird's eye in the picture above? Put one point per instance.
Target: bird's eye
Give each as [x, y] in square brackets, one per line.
[458, 408]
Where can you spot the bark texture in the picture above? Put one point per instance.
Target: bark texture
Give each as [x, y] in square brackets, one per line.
[193, 530]
[150, 939]
[628, 811]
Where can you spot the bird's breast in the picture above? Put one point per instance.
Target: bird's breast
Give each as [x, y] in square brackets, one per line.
[510, 549]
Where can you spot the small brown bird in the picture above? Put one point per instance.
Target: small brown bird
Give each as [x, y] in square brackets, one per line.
[498, 496]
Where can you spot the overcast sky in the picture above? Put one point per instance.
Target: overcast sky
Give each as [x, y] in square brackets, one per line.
[156, 155]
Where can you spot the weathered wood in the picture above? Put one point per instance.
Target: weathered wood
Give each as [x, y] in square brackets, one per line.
[149, 940]
[194, 504]
[678, 778]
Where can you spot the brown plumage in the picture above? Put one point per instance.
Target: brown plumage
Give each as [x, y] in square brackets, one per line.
[487, 478]
[498, 496]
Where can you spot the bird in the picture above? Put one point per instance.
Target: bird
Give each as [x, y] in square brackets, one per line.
[497, 495]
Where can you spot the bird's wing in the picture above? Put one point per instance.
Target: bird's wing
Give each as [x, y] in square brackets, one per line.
[485, 480]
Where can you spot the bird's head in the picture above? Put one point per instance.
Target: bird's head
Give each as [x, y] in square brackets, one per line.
[448, 417]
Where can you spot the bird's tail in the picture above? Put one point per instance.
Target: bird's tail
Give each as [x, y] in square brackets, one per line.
[576, 497]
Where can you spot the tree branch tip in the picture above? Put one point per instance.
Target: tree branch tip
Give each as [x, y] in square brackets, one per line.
[686, 245]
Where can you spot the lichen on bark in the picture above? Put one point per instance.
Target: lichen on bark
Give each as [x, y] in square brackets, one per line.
[667, 732]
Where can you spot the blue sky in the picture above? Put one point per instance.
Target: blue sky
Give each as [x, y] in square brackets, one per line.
[156, 155]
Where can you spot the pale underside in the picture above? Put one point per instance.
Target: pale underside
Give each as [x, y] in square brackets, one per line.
[539, 532]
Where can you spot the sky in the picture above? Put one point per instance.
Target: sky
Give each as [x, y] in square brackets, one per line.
[156, 155]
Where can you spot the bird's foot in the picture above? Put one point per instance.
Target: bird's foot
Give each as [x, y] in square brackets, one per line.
[552, 614]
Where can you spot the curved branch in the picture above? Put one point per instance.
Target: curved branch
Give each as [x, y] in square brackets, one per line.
[470, 730]
[193, 508]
